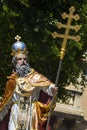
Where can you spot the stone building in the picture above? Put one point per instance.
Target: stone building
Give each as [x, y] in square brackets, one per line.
[72, 115]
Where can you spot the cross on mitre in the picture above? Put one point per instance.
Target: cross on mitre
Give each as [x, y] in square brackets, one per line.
[18, 37]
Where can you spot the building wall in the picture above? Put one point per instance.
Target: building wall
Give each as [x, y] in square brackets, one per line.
[79, 105]
[84, 103]
[71, 125]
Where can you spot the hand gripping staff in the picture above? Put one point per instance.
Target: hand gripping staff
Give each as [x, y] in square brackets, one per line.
[70, 17]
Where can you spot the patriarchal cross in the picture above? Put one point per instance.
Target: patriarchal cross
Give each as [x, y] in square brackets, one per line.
[65, 37]
[67, 26]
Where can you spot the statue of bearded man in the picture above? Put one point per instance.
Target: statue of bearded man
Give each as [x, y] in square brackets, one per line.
[27, 96]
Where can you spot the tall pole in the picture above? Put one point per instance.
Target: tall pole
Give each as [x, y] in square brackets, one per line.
[70, 17]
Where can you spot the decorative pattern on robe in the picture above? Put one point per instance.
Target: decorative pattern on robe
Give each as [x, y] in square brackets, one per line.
[34, 79]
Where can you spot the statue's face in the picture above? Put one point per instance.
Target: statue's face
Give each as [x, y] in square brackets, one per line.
[21, 59]
[22, 67]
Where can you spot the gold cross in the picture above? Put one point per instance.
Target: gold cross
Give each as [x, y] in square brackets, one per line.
[18, 37]
[67, 26]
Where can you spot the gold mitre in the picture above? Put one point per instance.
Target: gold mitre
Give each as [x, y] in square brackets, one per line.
[18, 47]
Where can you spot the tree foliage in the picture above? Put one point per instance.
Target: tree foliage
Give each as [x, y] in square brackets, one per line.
[35, 21]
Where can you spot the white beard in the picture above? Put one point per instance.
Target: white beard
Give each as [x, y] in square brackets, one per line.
[22, 70]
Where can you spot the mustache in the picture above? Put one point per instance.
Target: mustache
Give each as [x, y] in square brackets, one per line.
[25, 64]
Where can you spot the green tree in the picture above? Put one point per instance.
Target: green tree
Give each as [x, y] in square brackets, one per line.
[35, 21]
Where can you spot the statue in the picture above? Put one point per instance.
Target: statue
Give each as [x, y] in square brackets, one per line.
[26, 101]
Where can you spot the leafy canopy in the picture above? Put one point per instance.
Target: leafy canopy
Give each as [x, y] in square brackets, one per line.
[35, 21]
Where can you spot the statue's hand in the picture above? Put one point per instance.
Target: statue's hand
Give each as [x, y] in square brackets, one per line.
[54, 90]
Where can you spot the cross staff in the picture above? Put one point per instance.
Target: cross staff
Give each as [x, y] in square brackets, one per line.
[67, 26]
[65, 37]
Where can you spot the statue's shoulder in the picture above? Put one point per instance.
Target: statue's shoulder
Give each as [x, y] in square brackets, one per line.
[12, 76]
[38, 79]
[34, 73]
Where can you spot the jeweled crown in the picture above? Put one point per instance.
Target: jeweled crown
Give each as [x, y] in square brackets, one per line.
[18, 47]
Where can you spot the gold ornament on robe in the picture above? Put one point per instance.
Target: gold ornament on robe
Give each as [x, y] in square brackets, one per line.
[34, 79]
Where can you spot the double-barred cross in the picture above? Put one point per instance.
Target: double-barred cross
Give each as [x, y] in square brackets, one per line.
[67, 26]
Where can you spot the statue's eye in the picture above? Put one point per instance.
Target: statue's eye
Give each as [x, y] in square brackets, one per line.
[21, 59]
